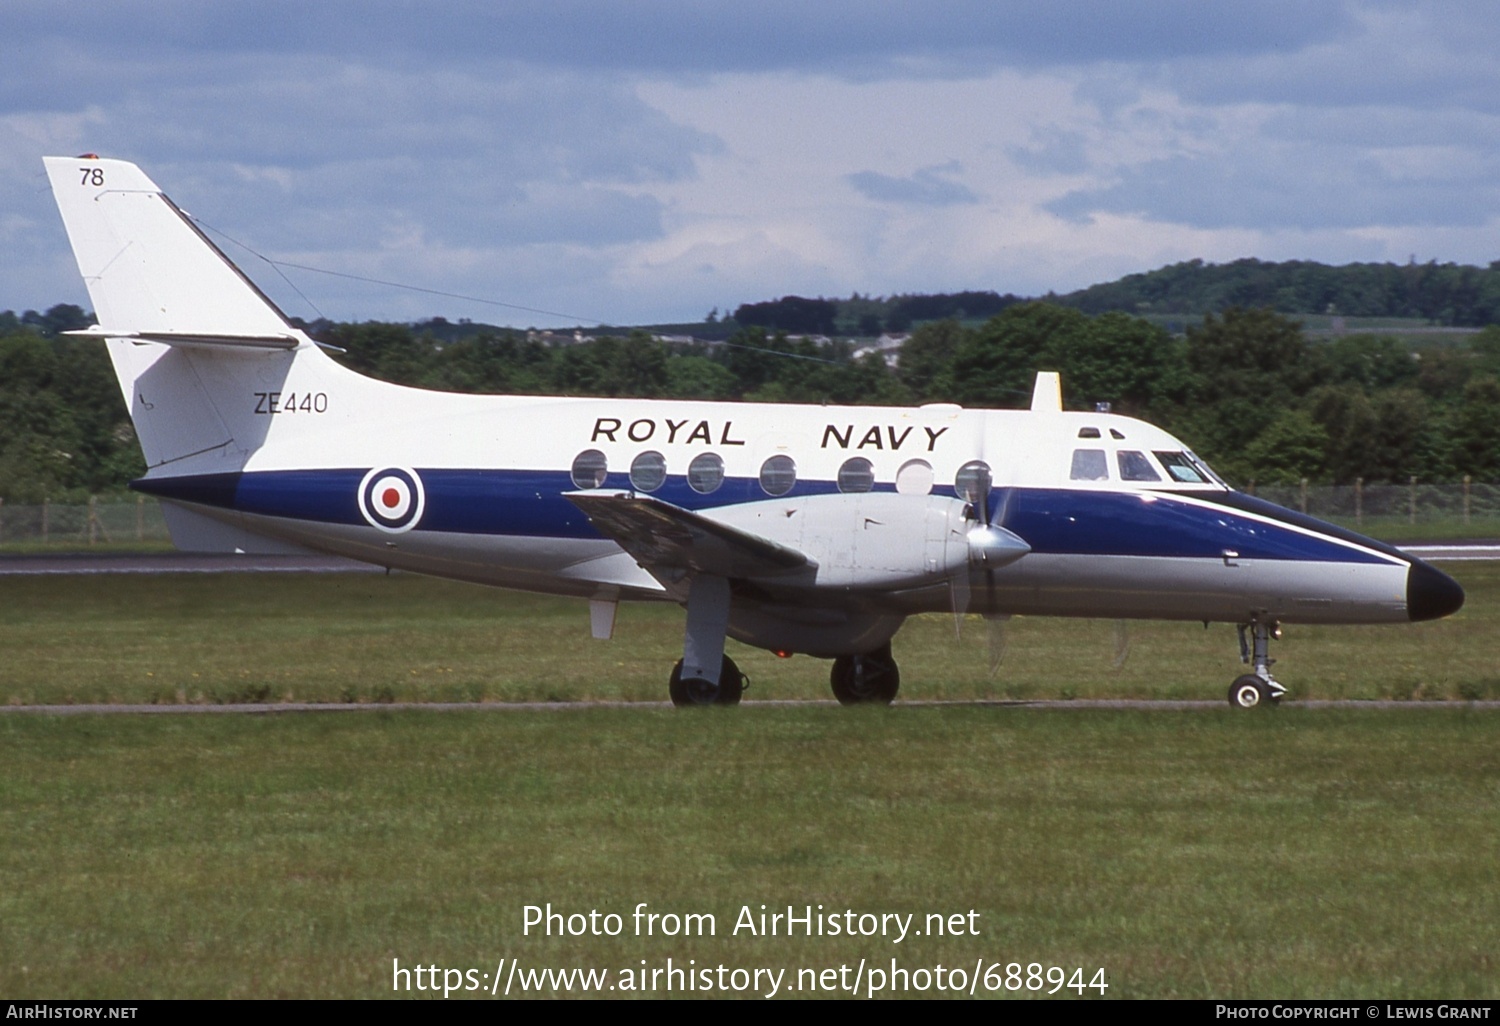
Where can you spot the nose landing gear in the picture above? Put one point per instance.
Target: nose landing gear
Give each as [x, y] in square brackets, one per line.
[1257, 688]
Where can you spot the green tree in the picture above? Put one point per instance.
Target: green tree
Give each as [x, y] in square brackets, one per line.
[1289, 449]
[926, 364]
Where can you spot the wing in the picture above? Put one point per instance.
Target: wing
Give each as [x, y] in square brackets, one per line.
[671, 542]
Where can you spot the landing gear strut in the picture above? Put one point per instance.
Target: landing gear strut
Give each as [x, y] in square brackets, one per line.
[871, 677]
[697, 691]
[1257, 688]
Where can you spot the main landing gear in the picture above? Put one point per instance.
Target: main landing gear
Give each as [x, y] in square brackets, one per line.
[1257, 688]
[697, 691]
[872, 677]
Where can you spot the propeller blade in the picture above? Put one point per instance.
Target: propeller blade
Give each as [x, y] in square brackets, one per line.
[997, 643]
[958, 600]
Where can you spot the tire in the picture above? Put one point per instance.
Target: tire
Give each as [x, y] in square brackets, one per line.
[697, 691]
[1249, 692]
[872, 678]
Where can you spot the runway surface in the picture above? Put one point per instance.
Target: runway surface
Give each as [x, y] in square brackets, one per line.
[502, 707]
[176, 563]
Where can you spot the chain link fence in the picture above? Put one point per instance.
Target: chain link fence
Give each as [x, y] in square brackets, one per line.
[126, 521]
[1401, 512]
[1410, 510]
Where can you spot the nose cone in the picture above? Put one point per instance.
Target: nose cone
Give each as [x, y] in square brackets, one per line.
[1430, 593]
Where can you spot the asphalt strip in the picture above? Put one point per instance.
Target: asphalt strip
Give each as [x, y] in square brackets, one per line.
[268, 708]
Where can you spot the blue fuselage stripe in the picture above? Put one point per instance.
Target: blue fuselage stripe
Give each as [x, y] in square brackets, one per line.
[531, 504]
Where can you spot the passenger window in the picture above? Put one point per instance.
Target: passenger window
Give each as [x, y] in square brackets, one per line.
[1134, 466]
[972, 482]
[1089, 465]
[589, 469]
[777, 475]
[706, 473]
[856, 475]
[648, 471]
[1180, 467]
[914, 478]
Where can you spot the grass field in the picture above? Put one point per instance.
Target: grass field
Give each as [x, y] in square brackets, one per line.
[1304, 852]
[202, 638]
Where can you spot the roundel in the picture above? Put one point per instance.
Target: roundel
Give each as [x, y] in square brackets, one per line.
[391, 498]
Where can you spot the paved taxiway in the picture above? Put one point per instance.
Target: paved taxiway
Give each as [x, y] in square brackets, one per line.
[267, 708]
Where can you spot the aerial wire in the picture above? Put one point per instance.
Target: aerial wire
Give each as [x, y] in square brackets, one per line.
[277, 266]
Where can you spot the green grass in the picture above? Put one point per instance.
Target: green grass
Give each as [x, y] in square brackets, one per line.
[1189, 854]
[234, 638]
[1321, 853]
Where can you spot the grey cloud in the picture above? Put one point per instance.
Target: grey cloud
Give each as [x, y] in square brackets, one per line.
[686, 36]
[1286, 187]
[931, 186]
[1054, 151]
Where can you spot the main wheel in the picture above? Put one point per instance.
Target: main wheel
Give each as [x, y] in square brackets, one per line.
[697, 691]
[872, 677]
[1249, 691]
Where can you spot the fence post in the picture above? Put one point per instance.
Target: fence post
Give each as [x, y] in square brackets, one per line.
[93, 519]
[1304, 495]
[1251, 489]
[1466, 498]
[46, 511]
[1411, 501]
[140, 518]
[2, 519]
[1359, 501]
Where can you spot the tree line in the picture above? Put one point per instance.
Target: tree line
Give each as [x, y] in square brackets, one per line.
[1246, 387]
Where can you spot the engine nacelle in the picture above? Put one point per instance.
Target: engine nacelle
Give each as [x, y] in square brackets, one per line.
[868, 540]
[825, 633]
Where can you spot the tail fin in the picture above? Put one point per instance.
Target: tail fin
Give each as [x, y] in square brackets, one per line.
[190, 337]
[150, 272]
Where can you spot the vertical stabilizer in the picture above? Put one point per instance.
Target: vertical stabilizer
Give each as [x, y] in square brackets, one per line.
[148, 269]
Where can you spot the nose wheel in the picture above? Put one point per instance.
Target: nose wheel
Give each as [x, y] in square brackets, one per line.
[1253, 690]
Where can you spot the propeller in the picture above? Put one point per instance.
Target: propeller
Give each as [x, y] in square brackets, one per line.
[990, 546]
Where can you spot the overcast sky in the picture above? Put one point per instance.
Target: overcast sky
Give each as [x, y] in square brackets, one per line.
[646, 161]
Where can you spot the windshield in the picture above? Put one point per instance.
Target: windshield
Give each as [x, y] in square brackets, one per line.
[1186, 468]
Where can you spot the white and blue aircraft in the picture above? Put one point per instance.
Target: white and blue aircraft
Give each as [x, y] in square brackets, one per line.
[798, 529]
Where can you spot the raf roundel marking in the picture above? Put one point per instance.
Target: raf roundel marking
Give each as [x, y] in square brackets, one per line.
[392, 499]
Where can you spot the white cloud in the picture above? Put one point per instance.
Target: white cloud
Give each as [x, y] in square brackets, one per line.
[649, 161]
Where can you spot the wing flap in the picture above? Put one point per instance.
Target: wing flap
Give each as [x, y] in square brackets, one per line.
[670, 542]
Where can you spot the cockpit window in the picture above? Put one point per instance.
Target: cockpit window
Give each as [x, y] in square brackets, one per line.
[1088, 432]
[1134, 466]
[1205, 469]
[1183, 468]
[1089, 465]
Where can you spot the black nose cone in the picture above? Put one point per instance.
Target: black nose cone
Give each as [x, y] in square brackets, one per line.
[1430, 593]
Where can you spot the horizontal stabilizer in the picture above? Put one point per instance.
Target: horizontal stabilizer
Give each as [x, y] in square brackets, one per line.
[670, 541]
[170, 338]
